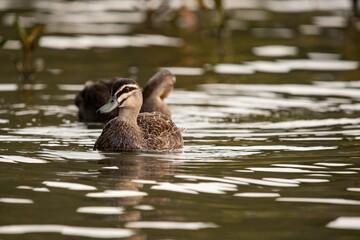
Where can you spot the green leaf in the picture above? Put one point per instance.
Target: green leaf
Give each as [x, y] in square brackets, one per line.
[21, 31]
[2, 43]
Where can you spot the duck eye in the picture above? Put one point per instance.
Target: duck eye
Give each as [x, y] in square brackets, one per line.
[126, 89]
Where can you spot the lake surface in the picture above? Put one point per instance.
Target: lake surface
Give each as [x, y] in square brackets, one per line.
[270, 97]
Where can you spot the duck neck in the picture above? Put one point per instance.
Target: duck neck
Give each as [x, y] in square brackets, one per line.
[128, 115]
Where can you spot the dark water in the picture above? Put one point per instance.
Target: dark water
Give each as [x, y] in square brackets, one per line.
[270, 98]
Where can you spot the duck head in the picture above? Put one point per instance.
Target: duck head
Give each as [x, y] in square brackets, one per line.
[125, 93]
[160, 85]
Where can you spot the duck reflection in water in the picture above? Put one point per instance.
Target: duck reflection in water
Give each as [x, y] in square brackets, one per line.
[96, 94]
[130, 170]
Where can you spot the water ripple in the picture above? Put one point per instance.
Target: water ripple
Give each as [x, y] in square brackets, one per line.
[67, 230]
[170, 225]
[70, 186]
[345, 223]
[319, 200]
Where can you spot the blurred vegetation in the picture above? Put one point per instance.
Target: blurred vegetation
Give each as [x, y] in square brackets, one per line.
[29, 42]
[2, 43]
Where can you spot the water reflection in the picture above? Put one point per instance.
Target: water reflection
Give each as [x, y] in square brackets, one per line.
[345, 223]
[171, 225]
[320, 200]
[109, 41]
[16, 200]
[275, 51]
[70, 186]
[68, 230]
[256, 195]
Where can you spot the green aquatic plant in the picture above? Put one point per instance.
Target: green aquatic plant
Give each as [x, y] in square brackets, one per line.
[2, 43]
[29, 42]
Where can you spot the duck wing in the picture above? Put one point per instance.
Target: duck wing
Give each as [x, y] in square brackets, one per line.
[160, 132]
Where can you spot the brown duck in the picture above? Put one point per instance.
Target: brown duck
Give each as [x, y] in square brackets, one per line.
[95, 94]
[134, 131]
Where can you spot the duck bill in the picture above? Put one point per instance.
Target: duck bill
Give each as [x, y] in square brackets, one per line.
[109, 106]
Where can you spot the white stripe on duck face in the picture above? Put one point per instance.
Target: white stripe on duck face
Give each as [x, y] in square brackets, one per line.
[122, 94]
[131, 86]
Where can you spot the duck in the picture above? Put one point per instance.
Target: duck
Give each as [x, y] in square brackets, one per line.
[131, 130]
[91, 98]
[95, 94]
[156, 90]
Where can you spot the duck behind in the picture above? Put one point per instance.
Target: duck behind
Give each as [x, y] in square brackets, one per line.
[95, 94]
[91, 98]
[156, 90]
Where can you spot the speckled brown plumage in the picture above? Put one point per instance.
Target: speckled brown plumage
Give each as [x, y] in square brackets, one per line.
[134, 131]
[153, 132]
[160, 132]
[120, 136]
